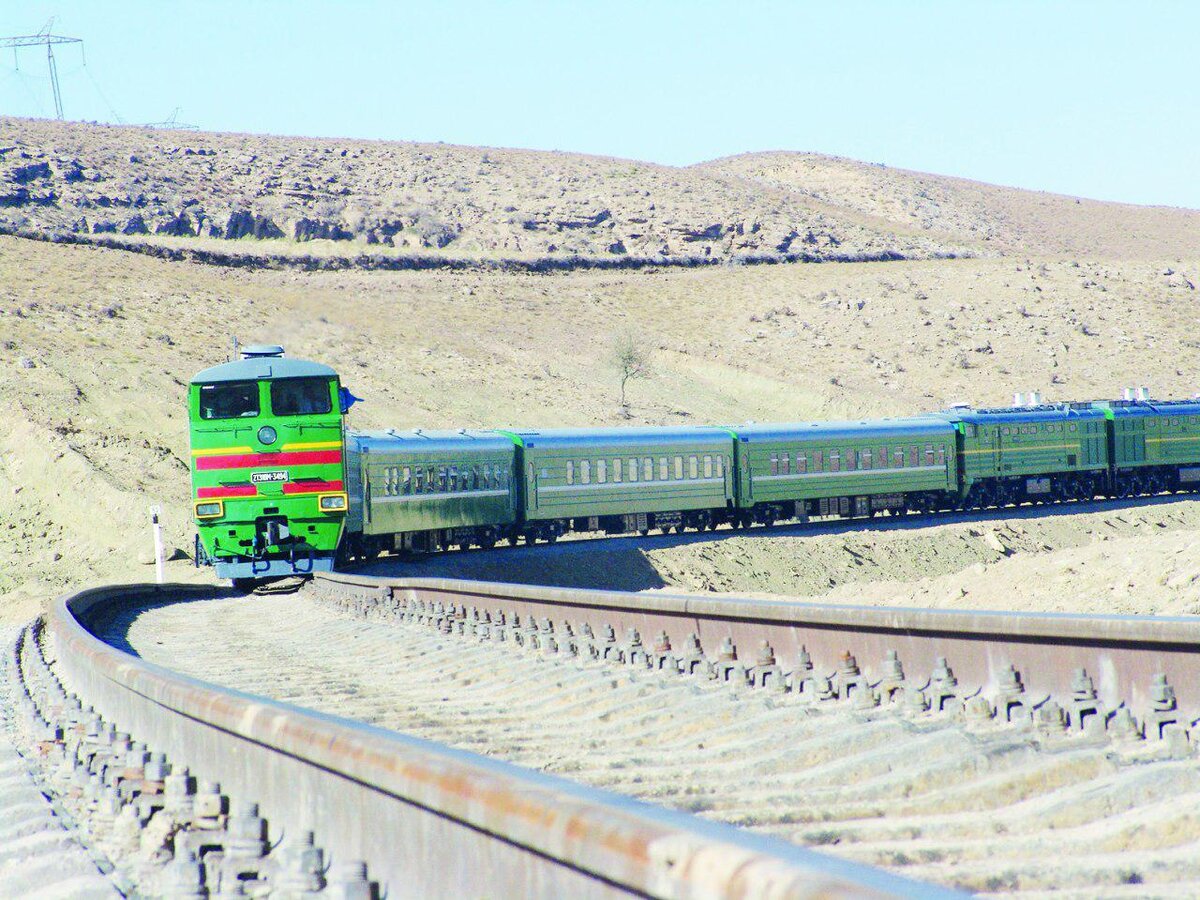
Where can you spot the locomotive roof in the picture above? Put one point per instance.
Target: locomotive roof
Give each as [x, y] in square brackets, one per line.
[422, 440]
[1055, 413]
[851, 430]
[259, 368]
[1150, 407]
[620, 437]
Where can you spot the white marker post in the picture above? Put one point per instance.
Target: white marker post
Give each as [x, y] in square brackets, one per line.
[155, 512]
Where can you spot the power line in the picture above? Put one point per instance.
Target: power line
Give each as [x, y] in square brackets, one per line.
[43, 38]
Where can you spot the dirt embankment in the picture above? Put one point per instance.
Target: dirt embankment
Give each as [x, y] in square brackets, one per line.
[1136, 557]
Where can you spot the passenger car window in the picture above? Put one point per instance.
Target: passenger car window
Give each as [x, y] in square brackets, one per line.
[708, 467]
[774, 464]
[617, 463]
[229, 400]
[647, 469]
[633, 470]
[301, 396]
[570, 471]
[602, 471]
[662, 469]
[693, 467]
[585, 472]
[801, 463]
[678, 468]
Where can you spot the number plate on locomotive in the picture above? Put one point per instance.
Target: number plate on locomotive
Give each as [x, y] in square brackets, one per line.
[260, 477]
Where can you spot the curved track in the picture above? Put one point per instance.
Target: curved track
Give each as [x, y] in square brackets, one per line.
[897, 738]
[393, 813]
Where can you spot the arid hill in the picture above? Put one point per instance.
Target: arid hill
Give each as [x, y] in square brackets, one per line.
[339, 197]
[1003, 219]
[397, 205]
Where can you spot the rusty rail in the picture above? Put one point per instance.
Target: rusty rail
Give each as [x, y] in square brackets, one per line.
[1133, 677]
[430, 820]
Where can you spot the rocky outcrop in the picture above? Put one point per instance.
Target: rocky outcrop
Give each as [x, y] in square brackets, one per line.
[31, 172]
[242, 223]
[180, 225]
[313, 229]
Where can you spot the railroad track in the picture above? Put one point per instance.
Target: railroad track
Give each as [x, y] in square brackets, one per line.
[895, 738]
[180, 787]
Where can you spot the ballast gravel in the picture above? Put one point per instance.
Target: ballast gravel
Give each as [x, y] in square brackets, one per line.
[983, 807]
[40, 853]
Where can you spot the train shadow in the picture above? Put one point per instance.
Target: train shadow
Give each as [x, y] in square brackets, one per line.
[621, 563]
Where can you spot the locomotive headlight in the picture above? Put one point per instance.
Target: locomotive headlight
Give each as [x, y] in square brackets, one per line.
[332, 502]
[267, 435]
[209, 509]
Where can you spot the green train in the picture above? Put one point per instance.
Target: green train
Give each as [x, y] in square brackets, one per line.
[281, 487]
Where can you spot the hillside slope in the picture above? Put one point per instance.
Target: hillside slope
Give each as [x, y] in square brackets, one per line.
[382, 204]
[1003, 219]
[96, 347]
[340, 197]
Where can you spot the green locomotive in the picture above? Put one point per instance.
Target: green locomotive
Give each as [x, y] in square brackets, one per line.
[268, 482]
[282, 488]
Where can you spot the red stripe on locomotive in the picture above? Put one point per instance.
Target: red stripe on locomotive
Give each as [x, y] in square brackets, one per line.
[260, 460]
[222, 492]
[312, 487]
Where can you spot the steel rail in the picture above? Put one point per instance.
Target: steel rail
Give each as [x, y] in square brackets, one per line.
[430, 821]
[1138, 672]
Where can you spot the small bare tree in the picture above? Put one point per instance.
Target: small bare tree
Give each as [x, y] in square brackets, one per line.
[631, 358]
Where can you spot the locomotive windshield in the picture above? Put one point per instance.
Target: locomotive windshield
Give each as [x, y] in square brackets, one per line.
[229, 400]
[301, 396]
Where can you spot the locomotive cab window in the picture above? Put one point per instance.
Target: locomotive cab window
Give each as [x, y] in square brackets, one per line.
[301, 397]
[229, 400]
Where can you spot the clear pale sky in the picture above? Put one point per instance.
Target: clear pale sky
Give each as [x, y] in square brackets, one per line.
[1094, 99]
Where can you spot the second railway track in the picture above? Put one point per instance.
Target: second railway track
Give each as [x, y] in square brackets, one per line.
[1043, 785]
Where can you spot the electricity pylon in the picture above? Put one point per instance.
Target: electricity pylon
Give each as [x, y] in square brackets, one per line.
[48, 40]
